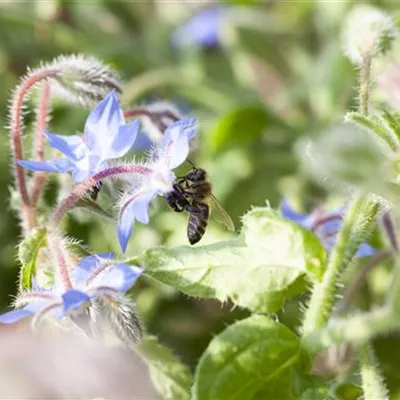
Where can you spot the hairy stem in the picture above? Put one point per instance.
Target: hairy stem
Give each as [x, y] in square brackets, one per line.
[355, 329]
[39, 179]
[81, 189]
[16, 127]
[59, 255]
[373, 384]
[356, 283]
[365, 73]
[359, 216]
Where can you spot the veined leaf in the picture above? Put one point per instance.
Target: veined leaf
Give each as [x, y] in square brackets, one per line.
[270, 261]
[92, 206]
[244, 358]
[27, 253]
[171, 378]
[376, 126]
[348, 156]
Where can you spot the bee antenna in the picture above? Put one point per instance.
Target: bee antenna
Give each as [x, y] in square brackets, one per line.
[191, 163]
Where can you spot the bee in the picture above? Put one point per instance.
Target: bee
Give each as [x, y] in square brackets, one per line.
[94, 190]
[193, 193]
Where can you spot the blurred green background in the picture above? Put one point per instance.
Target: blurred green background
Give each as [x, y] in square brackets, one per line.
[277, 73]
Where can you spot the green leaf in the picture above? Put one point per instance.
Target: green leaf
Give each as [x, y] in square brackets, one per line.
[270, 261]
[171, 378]
[316, 393]
[392, 121]
[374, 125]
[348, 156]
[27, 253]
[244, 359]
[347, 391]
[242, 126]
[93, 206]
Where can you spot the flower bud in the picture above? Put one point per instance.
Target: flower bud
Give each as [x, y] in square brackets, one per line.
[367, 32]
[83, 79]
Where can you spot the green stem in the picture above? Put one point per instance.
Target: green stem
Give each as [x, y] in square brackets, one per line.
[365, 83]
[373, 384]
[393, 299]
[356, 226]
[355, 329]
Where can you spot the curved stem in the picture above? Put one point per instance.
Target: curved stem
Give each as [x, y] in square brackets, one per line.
[365, 83]
[39, 179]
[373, 383]
[355, 329]
[357, 219]
[60, 259]
[81, 189]
[16, 127]
[354, 286]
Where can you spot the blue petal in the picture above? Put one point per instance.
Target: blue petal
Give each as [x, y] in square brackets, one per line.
[125, 228]
[86, 167]
[288, 212]
[175, 142]
[30, 309]
[73, 299]
[91, 262]
[14, 316]
[120, 278]
[88, 264]
[202, 29]
[103, 123]
[123, 140]
[54, 165]
[72, 146]
[365, 250]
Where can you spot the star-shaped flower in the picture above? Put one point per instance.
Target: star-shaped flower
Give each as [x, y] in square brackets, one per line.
[94, 277]
[172, 152]
[202, 29]
[106, 137]
[325, 225]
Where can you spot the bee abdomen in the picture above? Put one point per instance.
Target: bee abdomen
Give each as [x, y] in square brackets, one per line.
[198, 221]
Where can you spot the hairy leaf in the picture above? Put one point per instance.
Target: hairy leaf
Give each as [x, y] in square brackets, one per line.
[171, 378]
[93, 206]
[270, 261]
[348, 156]
[376, 126]
[244, 359]
[27, 253]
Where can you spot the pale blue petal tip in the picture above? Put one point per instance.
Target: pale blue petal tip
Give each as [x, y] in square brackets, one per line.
[14, 316]
[73, 299]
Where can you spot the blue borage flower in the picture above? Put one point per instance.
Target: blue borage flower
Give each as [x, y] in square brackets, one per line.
[171, 152]
[106, 137]
[202, 29]
[95, 276]
[325, 225]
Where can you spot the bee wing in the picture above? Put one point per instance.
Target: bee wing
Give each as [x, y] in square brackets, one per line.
[220, 215]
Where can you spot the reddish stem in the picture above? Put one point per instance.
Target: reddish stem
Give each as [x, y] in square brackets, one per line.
[137, 112]
[155, 116]
[57, 249]
[86, 185]
[39, 179]
[324, 220]
[16, 127]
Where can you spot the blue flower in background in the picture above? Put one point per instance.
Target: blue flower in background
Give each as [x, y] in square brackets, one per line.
[325, 225]
[106, 137]
[95, 276]
[172, 152]
[202, 29]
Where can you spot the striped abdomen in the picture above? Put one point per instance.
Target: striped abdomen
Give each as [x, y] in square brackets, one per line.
[198, 221]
